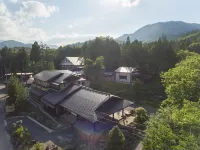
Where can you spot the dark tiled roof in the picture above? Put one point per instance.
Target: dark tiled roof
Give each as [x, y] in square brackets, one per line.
[114, 104]
[47, 75]
[62, 77]
[84, 103]
[54, 97]
[37, 91]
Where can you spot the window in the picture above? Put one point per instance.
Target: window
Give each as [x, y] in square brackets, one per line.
[123, 77]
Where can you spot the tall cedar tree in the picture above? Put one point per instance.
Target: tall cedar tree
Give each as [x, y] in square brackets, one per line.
[35, 52]
[106, 47]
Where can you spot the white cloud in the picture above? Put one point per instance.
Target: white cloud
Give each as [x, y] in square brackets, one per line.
[70, 26]
[124, 3]
[3, 9]
[13, 1]
[80, 22]
[18, 26]
[33, 9]
[12, 30]
[129, 3]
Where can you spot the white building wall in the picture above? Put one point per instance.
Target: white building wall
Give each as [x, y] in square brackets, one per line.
[128, 75]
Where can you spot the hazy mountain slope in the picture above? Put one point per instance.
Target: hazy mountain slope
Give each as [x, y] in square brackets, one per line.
[192, 36]
[12, 43]
[172, 30]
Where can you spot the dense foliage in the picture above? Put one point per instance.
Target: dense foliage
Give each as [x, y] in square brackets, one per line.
[116, 139]
[176, 124]
[141, 115]
[182, 82]
[106, 47]
[173, 128]
[93, 69]
[16, 93]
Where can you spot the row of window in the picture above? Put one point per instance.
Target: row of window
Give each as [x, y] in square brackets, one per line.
[122, 77]
[125, 77]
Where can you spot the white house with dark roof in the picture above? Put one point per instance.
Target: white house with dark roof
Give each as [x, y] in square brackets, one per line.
[72, 63]
[124, 74]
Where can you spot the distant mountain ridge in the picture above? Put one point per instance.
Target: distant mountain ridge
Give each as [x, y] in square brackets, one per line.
[171, 29]
[12, 44]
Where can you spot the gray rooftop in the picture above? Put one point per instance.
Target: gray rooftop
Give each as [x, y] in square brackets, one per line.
[57, 76]
[54, 97]
[38, 91]
[114, 104]
[62, 78]
[84, 103]
[47, 75]
[125, 69]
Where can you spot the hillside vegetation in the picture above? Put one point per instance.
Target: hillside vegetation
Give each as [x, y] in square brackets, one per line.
[12, 44]
[172, 30]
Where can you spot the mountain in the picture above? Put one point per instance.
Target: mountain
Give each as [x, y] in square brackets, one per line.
[12, 44]
[191, 37]
[171, 29]
[78, 44]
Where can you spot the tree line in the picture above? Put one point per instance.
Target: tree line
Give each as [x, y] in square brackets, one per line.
[150, 58]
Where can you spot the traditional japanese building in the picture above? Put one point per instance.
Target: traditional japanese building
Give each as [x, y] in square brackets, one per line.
[58, 92]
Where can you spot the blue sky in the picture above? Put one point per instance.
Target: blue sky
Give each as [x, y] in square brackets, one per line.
[62, 22]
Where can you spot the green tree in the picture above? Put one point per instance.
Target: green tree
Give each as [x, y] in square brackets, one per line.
[194, 47]
[182, 82]
[35, 53]
[12, 89]
[106, 47]
[22, 134]
[116, 139]
[20, 96]
[163, 57]
[141, 115]
[128, 42]
[173, 128]
[183, 54]
[23, 60]
[6, 58]
[38, 146]
[137, 56]
[93, 69]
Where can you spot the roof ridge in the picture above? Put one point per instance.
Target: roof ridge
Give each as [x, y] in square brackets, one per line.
[93, 90]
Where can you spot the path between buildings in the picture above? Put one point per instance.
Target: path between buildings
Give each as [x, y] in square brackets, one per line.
[139, 147]
[39, 133]
[5, 143]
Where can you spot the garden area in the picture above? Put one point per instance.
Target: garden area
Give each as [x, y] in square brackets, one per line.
[19, 105]
[22, 140]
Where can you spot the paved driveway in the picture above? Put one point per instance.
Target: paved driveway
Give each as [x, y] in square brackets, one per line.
[4, 138]
[38, 133]
[62, 138]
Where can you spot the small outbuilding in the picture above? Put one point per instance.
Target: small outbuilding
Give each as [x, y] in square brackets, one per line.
[125, 74]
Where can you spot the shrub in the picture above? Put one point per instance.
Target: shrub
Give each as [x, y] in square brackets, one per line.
[116, 139]
[38, 146]
[141, 115]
